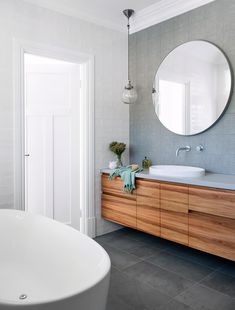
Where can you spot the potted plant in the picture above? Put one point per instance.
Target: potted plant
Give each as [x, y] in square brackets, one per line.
[118, 148]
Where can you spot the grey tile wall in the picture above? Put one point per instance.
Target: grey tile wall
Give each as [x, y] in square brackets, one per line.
[214, 22]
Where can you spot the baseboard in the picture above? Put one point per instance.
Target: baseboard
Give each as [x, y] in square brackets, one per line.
[91, 221]
[104, 227]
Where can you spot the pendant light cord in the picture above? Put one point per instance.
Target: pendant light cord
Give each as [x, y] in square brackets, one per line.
[128, 57]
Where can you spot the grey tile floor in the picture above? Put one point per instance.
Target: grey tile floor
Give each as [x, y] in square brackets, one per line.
[150, 273]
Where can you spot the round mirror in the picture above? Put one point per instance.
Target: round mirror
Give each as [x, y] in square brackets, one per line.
[192, 87]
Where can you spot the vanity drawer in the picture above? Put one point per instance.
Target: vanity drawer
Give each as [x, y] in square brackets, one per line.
[174, 226]
[174, 213]
[148, 188]
[212, 201]
[174, 198]
[119, 210]
[115, 187]
[148, 215]
[212, 234]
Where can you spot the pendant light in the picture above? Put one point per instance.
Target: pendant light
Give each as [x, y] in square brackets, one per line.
[129, 95]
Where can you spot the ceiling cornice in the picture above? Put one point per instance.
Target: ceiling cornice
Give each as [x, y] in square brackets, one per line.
[151, 15]
[70, 12]
[163, 10]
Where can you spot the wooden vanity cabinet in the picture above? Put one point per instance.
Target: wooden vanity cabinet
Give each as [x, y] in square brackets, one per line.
[200, 217]
[212, 221]
[118, 206]
[174, 213]
[148, 206]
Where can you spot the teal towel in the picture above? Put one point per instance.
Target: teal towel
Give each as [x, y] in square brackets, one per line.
[127, 175]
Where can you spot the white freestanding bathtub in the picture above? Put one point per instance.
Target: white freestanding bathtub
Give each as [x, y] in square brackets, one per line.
[46, 265]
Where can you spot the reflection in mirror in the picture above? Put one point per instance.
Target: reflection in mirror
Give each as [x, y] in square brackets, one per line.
[192, 87]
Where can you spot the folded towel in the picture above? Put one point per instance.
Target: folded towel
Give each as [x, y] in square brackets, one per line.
[127, 174]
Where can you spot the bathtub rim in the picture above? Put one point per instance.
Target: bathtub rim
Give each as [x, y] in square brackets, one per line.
[27, 303]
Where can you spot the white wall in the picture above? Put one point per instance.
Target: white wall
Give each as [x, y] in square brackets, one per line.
[24, 21]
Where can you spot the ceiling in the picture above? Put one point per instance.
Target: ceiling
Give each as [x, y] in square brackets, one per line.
[108, 13]
[104, 12]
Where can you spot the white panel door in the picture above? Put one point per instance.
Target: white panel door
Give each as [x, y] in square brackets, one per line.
[52, 94]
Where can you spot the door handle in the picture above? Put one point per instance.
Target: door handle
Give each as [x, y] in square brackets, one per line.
[26, 155]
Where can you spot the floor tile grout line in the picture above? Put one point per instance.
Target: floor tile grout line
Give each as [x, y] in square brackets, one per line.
[223, 272]
[167, 249]
[190, 261]
[127, 251]
[132, 264]
[147, 257]
[193, 261]
[213, 271]
[211, 288]
[175, 254]
[148, 284]
[192, 281]
[146, 260]
[176, 272]
[175, 297]
[210, 274]
[208, 287]
[144, 234]
[123, 236]
[198, 282]
[202, 279]
[123, 251]
[186, 259]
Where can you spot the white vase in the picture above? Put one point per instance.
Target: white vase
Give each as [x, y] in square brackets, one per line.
[112, 165]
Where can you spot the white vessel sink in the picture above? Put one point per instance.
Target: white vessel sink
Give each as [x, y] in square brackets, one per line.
[177, 171]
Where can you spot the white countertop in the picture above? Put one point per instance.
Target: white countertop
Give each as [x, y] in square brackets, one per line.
[215, 180]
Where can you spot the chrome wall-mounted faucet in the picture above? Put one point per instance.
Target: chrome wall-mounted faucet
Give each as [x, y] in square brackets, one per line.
[199, 148]
[182, 148]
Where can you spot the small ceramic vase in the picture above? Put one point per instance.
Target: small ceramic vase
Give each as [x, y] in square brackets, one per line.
[112, 165]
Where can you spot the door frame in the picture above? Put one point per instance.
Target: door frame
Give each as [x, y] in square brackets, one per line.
[20, 47]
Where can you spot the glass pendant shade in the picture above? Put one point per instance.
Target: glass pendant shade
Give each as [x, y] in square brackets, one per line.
[129, 95]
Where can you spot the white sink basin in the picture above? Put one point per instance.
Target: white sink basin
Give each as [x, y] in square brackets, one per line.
[177, 171]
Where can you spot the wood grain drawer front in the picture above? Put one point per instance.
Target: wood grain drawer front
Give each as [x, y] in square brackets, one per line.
[174, 226]
[212, 234]
[174, 198]
[212, 201]
[115, 187]
[147, 188]
[148, 215]
[119, 210]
